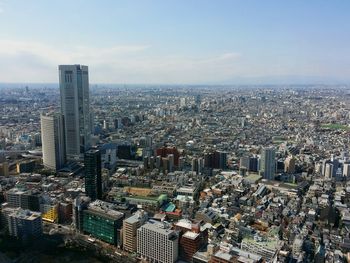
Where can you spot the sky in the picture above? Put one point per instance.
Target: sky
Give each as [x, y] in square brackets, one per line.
[177, 42]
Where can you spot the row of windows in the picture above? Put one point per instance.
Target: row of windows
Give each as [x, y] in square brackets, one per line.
[68, 78]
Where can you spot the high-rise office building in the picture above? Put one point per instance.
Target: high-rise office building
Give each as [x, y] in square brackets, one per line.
[222, 160]
[198, 100]
[253, 164]
[215, 160]
[182, 161]
[157, 242]
[171, 163]
[195, 165]
[267, 163]
[53, 141]
[74, 90]
[93, 180]
[165, 164]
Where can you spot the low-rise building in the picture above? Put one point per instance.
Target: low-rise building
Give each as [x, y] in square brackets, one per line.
[262, 246]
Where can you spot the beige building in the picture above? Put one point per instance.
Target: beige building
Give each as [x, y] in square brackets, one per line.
[130, 226]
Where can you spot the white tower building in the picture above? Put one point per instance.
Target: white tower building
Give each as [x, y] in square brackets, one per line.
[53, 141]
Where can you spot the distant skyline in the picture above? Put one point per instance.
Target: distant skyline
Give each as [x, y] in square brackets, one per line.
[177, 42]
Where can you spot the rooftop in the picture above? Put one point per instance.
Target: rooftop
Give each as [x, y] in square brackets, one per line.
[184, 223]
[267, 243]
[26, 214]
[138, 216]
[191, 235]
[160, 227]
[105, 208]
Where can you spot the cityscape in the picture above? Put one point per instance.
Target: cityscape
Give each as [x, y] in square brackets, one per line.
[187, 170]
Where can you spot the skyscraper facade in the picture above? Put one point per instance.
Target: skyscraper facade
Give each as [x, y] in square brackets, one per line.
[74, 90]
[93, 180]
[53, 141]
[267, 163]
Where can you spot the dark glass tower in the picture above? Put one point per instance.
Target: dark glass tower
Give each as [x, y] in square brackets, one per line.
[93, 181]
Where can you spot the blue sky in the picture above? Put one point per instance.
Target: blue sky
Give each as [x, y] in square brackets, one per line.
[184, 41]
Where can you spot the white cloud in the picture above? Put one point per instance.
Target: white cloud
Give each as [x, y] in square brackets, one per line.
[37, 62]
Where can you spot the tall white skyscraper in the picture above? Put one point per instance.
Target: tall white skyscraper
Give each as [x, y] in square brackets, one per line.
[53, 140]
[75, 107]
[268, 163]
